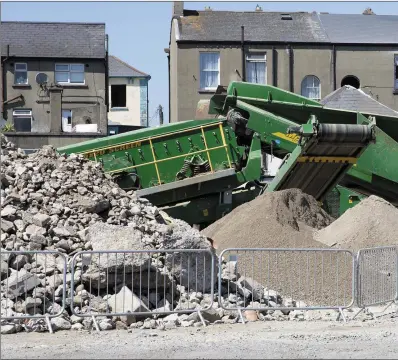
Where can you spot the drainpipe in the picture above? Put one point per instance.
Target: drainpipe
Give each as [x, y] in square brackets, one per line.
[147, 102]
[291, 69]
[243, 54]
[4, 82]
[107, 76]
[168, 66]
[334, 80]
[274, 67]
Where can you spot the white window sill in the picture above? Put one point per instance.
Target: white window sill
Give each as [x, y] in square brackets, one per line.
[21, 85]
[209, 90]
[72, 84]
[119, 109]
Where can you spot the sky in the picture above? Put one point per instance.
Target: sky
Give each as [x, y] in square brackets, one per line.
[139, 31]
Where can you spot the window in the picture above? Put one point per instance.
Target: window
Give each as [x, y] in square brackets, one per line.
[69, 73]
[66, 120]
[209, 70]
[311, 87]
[22, 120]
[396, 71]
[256, 68]
[20, 73]
[118, 96]
[350, 80]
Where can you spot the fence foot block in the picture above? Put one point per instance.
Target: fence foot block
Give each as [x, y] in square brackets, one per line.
[201, 318]
[95, 323]
[241, 316]
[341, 314]
[362, 309]
[50, 328]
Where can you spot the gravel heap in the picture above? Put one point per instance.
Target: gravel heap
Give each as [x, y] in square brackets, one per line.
[373, 222]
[281, 219]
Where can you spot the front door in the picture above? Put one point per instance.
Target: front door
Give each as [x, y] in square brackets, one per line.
[66, 120]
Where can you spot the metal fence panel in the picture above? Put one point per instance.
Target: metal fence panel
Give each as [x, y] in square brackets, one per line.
[377, 276]
[287, 279]
[33, 285]
[141, 282]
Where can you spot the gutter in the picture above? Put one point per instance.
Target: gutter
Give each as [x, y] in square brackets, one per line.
[282, 43]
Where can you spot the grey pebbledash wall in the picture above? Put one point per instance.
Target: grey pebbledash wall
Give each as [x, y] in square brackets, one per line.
[308, 60]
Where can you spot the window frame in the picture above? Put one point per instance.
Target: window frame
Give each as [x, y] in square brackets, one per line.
[22, 113]
[248, 59]
[320, 87]
[218, 67]
[19, 71]
[69, 71]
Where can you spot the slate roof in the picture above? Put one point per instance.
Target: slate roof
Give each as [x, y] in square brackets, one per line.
[358, 28]
[350, 98]
[118, 68]
[259, 26]
[263, 26]
[46, 39]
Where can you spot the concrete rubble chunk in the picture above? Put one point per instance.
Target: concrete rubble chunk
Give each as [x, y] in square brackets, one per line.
[41, 220]
[126, 301]
[253, 286]
[8, 211]
[60, 231]
[59, 323]
[8, 329]
[20, 283]
[33, 229]
[19, 261]
[7, 226]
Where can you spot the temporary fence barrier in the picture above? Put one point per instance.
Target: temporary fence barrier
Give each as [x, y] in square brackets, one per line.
[142, 283]
[377, 277]
[300, 279]
[34, 283]
[130, 283]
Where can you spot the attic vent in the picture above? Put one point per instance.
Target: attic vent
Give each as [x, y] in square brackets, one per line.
[286, 17]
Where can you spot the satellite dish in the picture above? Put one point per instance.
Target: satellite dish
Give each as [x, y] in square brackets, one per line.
[41, 78]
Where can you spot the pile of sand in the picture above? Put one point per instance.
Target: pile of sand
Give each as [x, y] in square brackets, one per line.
[285, 219]
[282, 219]
[373, 222]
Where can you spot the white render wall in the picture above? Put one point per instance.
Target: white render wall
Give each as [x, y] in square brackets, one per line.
[132, 116]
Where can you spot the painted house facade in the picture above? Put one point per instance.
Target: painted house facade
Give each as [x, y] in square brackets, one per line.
[54, 82]
[128, 96]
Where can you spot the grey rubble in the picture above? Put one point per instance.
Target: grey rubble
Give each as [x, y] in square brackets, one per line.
[67, 204]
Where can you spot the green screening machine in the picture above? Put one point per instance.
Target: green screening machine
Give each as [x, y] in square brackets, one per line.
[199, 170]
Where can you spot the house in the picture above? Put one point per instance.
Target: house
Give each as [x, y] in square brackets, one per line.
[54, 82]
[128, 92]
[312, 54]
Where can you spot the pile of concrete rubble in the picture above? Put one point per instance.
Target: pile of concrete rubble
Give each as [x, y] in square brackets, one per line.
[68, 204]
